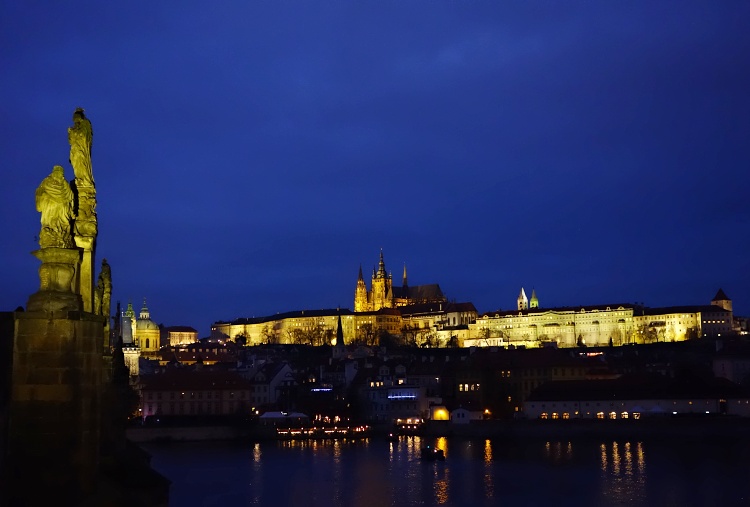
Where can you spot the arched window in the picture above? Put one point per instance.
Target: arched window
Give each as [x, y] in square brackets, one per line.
[147, 342]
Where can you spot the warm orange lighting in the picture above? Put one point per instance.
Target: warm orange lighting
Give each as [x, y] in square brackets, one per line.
[441, 414]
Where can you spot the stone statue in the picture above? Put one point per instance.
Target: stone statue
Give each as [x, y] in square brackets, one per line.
[103, 291]
[80, 136]
[54, 199]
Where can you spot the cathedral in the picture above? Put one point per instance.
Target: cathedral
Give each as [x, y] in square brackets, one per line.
[383, 294]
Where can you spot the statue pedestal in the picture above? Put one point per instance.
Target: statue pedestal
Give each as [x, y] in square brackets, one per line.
[56, 278]
[55, 407]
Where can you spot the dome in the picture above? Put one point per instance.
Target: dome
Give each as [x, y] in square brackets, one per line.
[146, 325]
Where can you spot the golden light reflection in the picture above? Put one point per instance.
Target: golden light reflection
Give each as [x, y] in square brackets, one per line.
[641, 458]
[256, 454]
[440, 488]
[628, 459]
[615, 458]
[623, 483]
[558, 451]
[442, 443]
[489, 483]
[337, 452]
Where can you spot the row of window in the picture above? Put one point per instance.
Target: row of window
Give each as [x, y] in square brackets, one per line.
[599, 415]
[188, 408]
[199, 394]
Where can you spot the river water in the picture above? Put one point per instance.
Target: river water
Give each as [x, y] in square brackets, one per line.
[376, 472]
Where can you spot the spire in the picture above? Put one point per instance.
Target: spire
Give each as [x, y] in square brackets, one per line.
[144, 311]
[381, 266]
[534, 301]
[339, 334]
[523, 302]
[360, 278]
[720, 296]
[405, 283]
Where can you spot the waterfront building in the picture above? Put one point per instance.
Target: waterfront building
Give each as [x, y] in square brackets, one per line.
[179, 392]
[634, 397]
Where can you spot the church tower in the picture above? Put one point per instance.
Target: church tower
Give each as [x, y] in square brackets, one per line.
[534, 301]
[381, 287]
[339, 350]
[523, 302]
[128, 325]
[147, 333]
[360, 294]
[722, 300]
[405, 284]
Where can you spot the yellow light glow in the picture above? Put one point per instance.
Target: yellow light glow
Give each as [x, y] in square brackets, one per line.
[441, 414]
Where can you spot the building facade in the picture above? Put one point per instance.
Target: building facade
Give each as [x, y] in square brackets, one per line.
[599, 325]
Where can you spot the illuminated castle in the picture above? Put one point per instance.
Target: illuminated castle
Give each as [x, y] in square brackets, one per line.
[384, 294]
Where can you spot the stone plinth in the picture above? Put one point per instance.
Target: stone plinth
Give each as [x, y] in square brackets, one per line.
[55, 407]
[57, 276]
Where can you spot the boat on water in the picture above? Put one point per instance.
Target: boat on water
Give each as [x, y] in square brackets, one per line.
[430, 453]
[322, 432]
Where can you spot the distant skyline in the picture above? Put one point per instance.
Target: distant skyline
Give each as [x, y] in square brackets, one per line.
[249, 156]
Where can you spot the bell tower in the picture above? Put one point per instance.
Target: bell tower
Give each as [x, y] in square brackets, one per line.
[360, 294]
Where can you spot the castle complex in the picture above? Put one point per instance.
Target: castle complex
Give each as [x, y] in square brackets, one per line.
[383, 294]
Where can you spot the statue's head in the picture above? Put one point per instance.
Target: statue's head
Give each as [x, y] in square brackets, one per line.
[58, 171]
[78, 114]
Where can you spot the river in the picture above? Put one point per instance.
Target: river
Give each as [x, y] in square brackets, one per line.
[376, 472]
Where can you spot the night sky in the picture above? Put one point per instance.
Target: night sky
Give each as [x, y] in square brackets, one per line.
[248, 157]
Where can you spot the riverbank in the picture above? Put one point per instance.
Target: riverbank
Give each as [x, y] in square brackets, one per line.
[668, 427]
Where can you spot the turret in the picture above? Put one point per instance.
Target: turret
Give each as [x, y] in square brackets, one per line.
[722, 300]
[534, 301]
[523, 302]
[360, 293]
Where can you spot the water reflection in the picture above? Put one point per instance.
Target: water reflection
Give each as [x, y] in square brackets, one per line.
[558, 451]
[489, 483]
[621, 481]
[480, 473]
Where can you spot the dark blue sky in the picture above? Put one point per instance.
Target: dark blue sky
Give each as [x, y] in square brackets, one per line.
[249, 156]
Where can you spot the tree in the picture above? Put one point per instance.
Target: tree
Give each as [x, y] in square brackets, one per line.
[269, 334]
[240, 339]
[386, 339]
[367, 335]
[484, 334]
[693, 333]
[428, 339]
[409, 335]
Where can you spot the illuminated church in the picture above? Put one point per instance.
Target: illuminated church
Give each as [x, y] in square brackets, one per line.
[140, 337]
[383, 294]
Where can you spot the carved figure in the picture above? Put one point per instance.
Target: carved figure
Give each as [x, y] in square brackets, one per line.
[102, 300]
[54, 199]
[80, 136]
